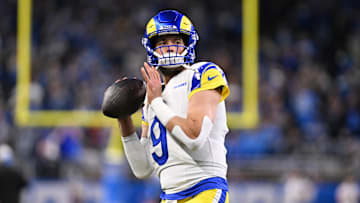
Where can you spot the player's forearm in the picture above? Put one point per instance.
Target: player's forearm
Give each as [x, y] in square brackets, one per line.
[126, 125]
[188, 126]
[199, 140]
[169, 119]
[137, 156]
[192, 133]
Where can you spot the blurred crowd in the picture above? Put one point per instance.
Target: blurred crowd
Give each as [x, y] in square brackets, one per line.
[309, 75]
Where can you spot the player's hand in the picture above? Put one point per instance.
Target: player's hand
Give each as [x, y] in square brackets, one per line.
[126, 126]
[153, 82]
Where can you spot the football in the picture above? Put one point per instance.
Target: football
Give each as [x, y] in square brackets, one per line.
[123, 98]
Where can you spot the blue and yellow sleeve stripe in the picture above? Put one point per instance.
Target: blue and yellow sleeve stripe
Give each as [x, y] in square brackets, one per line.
[209, 77]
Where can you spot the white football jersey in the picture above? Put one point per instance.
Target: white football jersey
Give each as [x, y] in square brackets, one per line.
[178, 167]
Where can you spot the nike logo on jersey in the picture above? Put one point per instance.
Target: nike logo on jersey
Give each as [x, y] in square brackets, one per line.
[210, 78]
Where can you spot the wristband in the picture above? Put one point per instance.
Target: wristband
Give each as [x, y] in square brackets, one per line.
[130, 138]
[162, 111]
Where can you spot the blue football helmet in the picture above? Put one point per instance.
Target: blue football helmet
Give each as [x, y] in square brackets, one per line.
[170, 22]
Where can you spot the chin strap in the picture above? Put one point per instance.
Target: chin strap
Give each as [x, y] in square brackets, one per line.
[162, 111]
[190, 68]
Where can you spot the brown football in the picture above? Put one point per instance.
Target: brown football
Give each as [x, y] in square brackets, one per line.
[123, 98]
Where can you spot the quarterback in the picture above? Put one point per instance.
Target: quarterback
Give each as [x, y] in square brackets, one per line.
[184, 116]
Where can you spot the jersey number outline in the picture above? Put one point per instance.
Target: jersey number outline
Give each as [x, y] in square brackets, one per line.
[161, 160]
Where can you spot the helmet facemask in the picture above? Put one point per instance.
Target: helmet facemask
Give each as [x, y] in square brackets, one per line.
[171, 59]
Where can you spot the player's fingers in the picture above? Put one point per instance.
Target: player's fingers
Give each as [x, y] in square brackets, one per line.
[157, 74]
[149, 70]
[152, 73]
[147, 67]
[144, 74]
[118, 80]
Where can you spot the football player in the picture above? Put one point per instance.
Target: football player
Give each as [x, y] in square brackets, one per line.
[184, 117]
